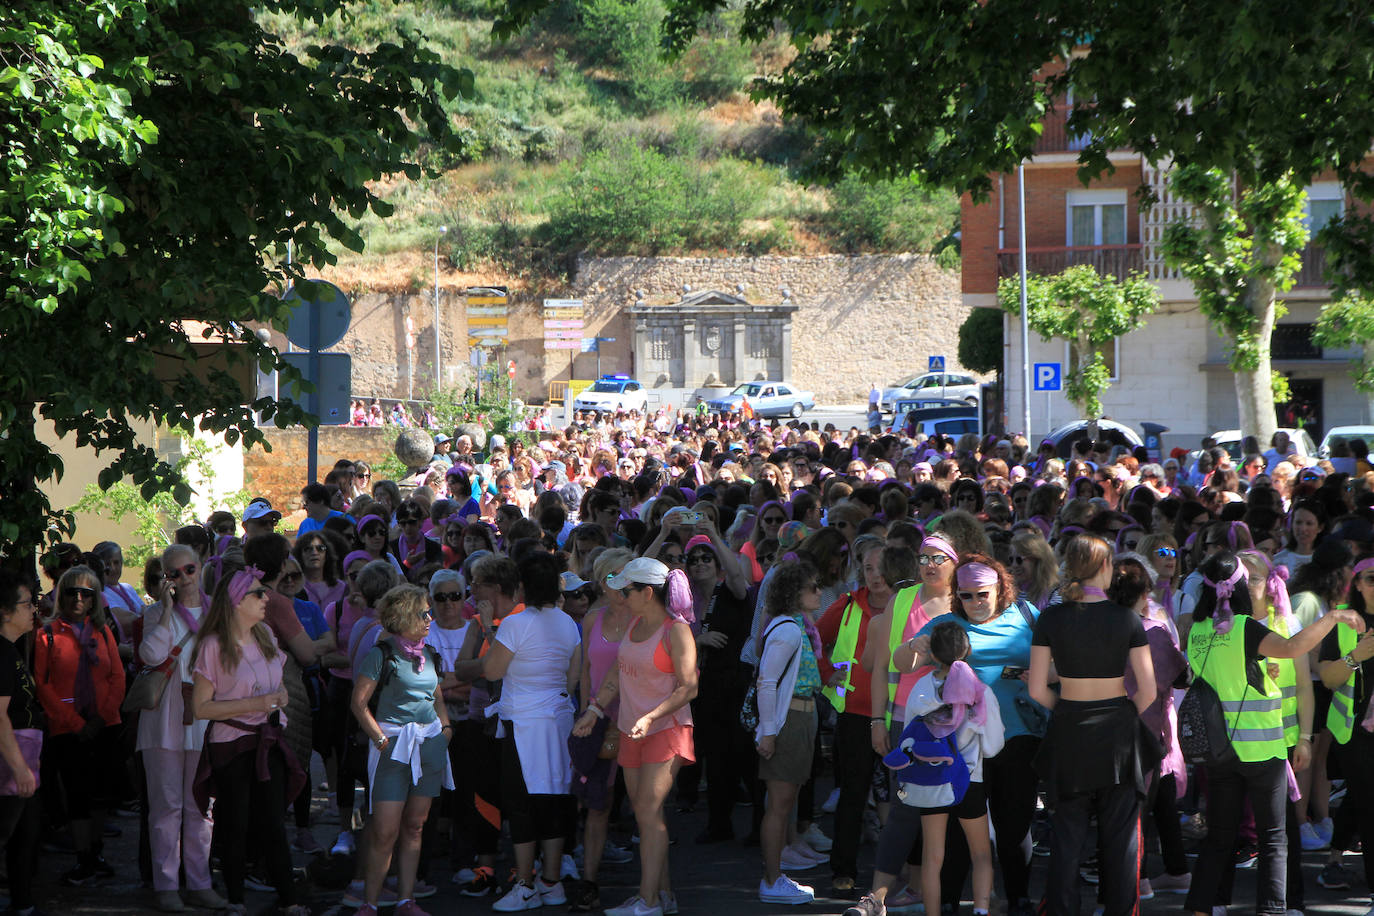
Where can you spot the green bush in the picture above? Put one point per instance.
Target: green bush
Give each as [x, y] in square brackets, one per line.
[889, 215]
[624, 198]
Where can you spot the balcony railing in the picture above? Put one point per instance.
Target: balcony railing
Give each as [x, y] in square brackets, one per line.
[1055, 138]
[1108, 260]
[1313, 270]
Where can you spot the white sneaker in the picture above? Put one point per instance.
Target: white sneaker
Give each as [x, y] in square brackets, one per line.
[551, 894]
[807, 851]
[816, 839]
[1311, 839]
[519, 897]
[463, 876]
[832, 802]
[344, 844]
[569, 868]
[616, 855]
[634, 907]
[783, 890]
[1324, 828]
[667, 903]
[792, 861]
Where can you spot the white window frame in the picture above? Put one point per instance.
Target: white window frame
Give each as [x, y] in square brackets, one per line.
[1321, 190]
[1097, 199]
[1116, 359]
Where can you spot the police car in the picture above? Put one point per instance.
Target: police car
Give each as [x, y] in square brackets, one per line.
[611, 393]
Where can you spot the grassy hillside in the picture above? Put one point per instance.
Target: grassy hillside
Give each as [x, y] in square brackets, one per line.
[582, 137]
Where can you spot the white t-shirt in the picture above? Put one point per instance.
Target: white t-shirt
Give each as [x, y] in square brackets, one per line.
[448, 642]
[1291, 560]
[543, 641]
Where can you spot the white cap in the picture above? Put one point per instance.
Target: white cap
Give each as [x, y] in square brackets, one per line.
[641, 570]
[570, 582]
[260, 508]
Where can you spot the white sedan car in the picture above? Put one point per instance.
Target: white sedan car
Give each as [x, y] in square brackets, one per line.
[949, 385]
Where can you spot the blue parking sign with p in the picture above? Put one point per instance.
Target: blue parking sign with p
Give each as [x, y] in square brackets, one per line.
[1046, 376]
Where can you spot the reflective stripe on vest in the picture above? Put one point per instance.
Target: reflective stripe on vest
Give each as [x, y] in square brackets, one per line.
[902, 604]
[1287, 682]
[1254, 718]
[846, 641]
[1341, 717]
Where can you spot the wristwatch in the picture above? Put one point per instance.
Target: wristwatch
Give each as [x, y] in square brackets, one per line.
[1350, 661]
[379, 742]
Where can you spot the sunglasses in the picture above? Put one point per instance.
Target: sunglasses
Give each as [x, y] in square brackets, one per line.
[670, 559]
[1166, 552]
[362, 476]
[315, 548]
[448, 596]
[259, 592]
[1016, 561]
[585, 592]
[409, 519]
[774, 520]
[938, 559]
[632, 587]
[975, 596]
[426, 615]
[353, 576]
[372, 531]
[700, 559]
[81, 592]
[292, 575]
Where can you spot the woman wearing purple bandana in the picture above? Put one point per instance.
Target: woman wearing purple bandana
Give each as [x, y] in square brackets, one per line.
[245, 764]
[1228, 649]
[409, 732]
[80, 680]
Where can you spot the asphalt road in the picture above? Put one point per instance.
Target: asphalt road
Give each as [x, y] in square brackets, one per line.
[719, 879]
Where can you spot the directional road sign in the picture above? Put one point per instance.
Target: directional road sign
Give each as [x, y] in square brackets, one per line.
[334, 386]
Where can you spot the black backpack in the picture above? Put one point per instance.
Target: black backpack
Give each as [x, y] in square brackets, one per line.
[390, 662]
[1202, 734]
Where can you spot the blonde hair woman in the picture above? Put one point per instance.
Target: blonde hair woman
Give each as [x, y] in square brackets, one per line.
[1033, 566]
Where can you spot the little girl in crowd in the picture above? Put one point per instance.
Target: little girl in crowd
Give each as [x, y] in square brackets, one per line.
[951, 702]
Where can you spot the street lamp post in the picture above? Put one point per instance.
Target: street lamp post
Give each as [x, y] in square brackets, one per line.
[438, 378]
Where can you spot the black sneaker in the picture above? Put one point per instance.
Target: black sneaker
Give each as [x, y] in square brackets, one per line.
[256, 882]
[1088, 871]
[583, 897]
[83, 874]
[483, 882]
[1247, 856]
[102, 868]
[1334, 877]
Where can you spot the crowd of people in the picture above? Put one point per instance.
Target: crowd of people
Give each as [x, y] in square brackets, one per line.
[532, 633]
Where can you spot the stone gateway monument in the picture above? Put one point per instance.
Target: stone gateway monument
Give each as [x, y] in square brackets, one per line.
[711, 338]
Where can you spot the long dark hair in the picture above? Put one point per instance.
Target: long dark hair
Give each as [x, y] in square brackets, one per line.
[1218, 568]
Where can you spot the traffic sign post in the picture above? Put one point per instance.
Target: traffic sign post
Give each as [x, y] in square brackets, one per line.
[320, 319]
[937, 364]
[488, 322]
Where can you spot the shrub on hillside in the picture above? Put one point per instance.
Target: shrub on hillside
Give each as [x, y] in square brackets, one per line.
[623, 198]
[889, 215]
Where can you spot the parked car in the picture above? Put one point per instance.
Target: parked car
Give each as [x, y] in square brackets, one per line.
[1347, 433]
[1231, 439]
[1116, 433]
[949, 385]
[767, 398]
[949, 421]
[611, 393]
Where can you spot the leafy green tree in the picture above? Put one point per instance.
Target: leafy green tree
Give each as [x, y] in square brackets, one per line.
[1087, 309]
[1244, 249]
[980, 340]
[1349, 322]
[160, 156]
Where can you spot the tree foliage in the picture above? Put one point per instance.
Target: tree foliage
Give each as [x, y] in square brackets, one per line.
[1349, 322]
[1243, 250]
[160, 156]
[1087, 309]
[980, 340]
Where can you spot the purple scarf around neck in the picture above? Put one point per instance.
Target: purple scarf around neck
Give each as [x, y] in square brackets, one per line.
[413, 649]
[88, 638]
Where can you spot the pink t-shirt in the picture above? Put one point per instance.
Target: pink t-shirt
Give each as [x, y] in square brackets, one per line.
[915, 622]
[253, 676]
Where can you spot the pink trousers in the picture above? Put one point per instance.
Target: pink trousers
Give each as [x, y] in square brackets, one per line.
[179, 833]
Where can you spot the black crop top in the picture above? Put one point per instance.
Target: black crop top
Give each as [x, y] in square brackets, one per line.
[1089, 640]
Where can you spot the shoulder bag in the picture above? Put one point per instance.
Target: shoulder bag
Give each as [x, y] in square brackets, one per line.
[151, 681]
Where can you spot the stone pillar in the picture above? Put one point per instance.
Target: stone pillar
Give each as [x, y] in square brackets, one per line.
[690, 348]
[741, 354]
[641, 346]
[786, 345]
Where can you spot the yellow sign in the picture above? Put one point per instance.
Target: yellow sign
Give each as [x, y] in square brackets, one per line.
[486, 300]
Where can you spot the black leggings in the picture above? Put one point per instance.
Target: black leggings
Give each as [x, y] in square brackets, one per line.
[476, 758]
[248, 807]
[1163, 811]
[19, 829]
[532, 817]
[350, 767]
[76, 760]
